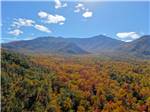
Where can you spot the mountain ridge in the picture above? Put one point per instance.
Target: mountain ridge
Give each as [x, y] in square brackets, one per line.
[99, 44]
[139, 47]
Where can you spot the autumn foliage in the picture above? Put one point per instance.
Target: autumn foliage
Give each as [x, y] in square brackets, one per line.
[73, 84]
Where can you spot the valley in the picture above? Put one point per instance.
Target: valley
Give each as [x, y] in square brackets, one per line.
[48, 83]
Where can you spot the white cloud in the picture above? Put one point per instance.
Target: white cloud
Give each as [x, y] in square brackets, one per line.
[79, 7]
[55, 19]
[16, 32]
[42, 14]
[61, 23]
[42, 28]
[49, 18]
[87, 14]
[22, 22]
[58, 4]
[128, 36]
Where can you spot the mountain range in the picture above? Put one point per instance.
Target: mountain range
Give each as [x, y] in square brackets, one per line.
[99, 44]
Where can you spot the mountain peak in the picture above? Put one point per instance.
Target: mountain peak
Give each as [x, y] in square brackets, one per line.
[100, 36]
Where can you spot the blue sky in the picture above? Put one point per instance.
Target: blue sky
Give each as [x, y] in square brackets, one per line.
[27, 20]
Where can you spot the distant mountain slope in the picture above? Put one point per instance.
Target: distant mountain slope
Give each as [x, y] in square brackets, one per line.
[59, 45]
[45, 45]
[139, 47]
[95, 45]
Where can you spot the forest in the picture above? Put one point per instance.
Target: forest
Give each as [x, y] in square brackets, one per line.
[42, 83]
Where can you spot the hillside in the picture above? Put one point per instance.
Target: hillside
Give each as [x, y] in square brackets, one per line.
[73, 84]
[61, 45]
[45, 45]
[97, 45]
[139, 47]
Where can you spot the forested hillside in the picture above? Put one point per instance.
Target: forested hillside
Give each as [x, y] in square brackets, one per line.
[73, 84]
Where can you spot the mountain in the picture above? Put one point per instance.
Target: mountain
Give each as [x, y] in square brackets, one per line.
[46, 45]
[139, 47]
[61, 45]
[95, 45]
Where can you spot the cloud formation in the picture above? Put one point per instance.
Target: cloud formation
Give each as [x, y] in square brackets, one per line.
[128, 36]
[86, 13]
[79, 7]
[16, 32]
[59, 4]
[22, 22]
[42, 28]
[42, 14]
[49, 18]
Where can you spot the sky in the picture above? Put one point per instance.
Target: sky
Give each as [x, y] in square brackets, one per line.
[25, 20]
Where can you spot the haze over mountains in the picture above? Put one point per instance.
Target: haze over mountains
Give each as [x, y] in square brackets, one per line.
[77, 46]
